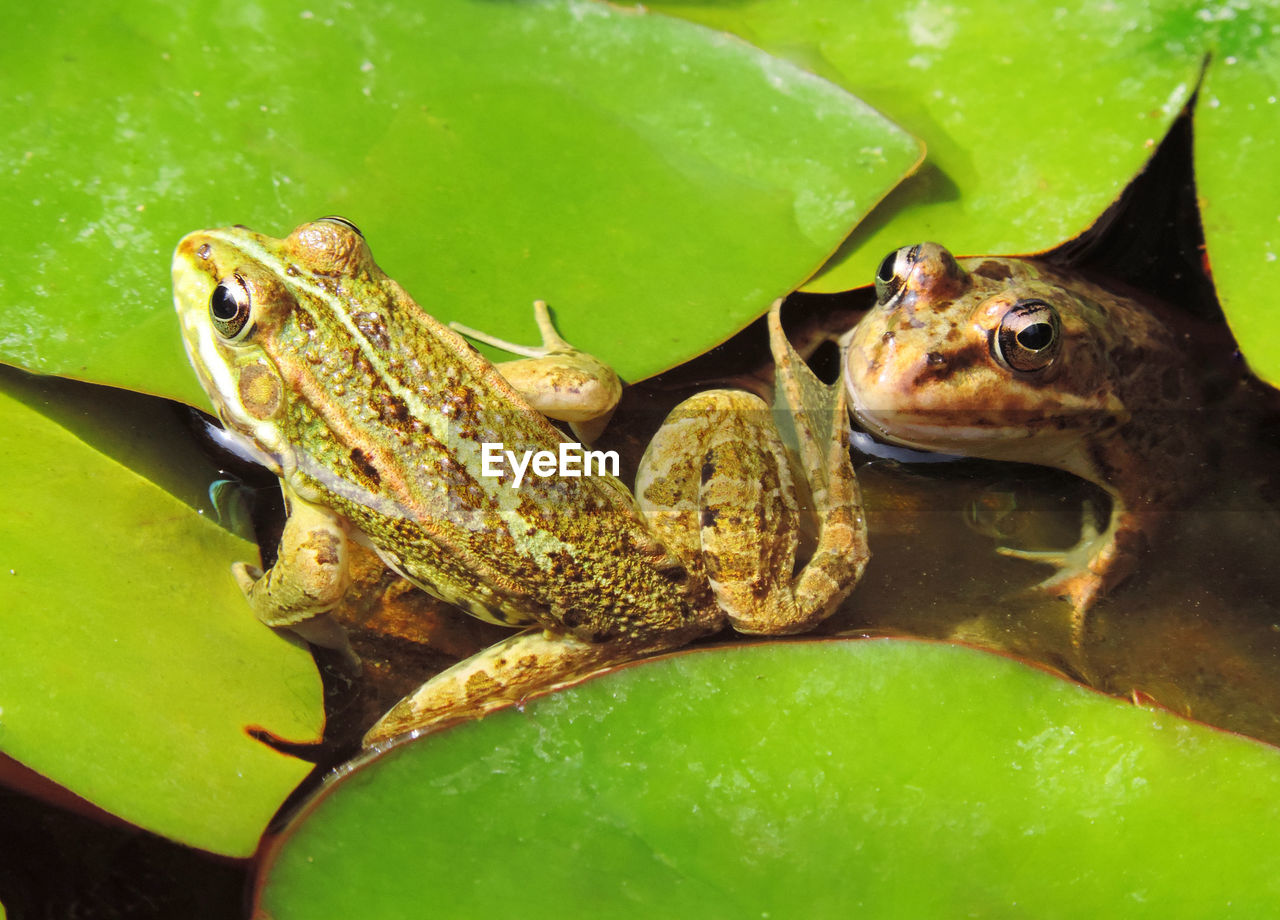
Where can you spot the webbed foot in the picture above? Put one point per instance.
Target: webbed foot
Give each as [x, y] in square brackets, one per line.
[1087, 570]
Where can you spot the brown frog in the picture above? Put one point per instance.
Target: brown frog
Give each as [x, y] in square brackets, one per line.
[1014, 359]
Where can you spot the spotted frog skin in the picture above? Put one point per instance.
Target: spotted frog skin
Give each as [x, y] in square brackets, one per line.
[373, 414]
[1012, 359]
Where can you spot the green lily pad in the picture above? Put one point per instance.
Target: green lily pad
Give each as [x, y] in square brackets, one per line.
[1237, 146]
[1035, 122]
[877, 778]
[656, 183]
[131, 669]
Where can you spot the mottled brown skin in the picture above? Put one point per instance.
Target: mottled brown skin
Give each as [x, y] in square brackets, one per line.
[1111, 398]
[373, 414]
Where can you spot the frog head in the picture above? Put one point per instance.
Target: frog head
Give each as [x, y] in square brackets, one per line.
[994, 358]
[238, 295]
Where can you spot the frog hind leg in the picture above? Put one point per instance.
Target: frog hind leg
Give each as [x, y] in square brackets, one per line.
[513, 670]
[557, 379]
[718, 484]
[818, 432]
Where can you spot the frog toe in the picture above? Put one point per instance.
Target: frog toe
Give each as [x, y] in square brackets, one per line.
[1076, 580]
[1054, 557]
[1079, 586]
[556, 379]
[1081, 569]
[245, 575]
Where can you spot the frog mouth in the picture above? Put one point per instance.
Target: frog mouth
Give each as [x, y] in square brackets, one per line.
[903, 435]
[868, 437]
[913, 435]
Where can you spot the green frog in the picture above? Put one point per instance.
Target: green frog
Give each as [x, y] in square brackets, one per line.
[378, 420]
[1014, 359]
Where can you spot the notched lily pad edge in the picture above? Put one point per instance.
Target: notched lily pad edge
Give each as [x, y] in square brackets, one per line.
[799, 286]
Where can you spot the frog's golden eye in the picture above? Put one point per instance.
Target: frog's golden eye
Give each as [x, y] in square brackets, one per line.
[893, 272]
[229, 306]
[335, 219]
[1029, 337]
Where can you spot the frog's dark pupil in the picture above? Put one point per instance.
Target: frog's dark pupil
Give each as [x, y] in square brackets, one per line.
[1036, 336]
[223, 304]
[1028, 338]
[888, 281]
[884, 274]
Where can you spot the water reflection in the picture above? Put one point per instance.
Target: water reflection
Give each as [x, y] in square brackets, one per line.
[1196, 629]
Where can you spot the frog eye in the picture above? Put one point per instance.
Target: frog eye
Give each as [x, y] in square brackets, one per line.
[335, 219]
[1029, 337]
[893, 271]
[229, 306]
[887, 280]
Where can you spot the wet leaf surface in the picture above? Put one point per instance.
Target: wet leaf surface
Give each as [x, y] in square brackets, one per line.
[1034, 123]
[638, 173]
[131, 669]
[893, 778]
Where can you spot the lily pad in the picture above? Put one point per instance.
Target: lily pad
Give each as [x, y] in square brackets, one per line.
[1237, 138]
[879, 778]
[1035, 122]
[657, 183]
[131, 669]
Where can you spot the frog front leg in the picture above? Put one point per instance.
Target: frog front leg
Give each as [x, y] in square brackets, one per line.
[557, 379]
[308, 580]
[720, 488]
[1097, 563]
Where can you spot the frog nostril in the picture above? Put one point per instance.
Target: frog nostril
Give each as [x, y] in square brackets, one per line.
[935, 358]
